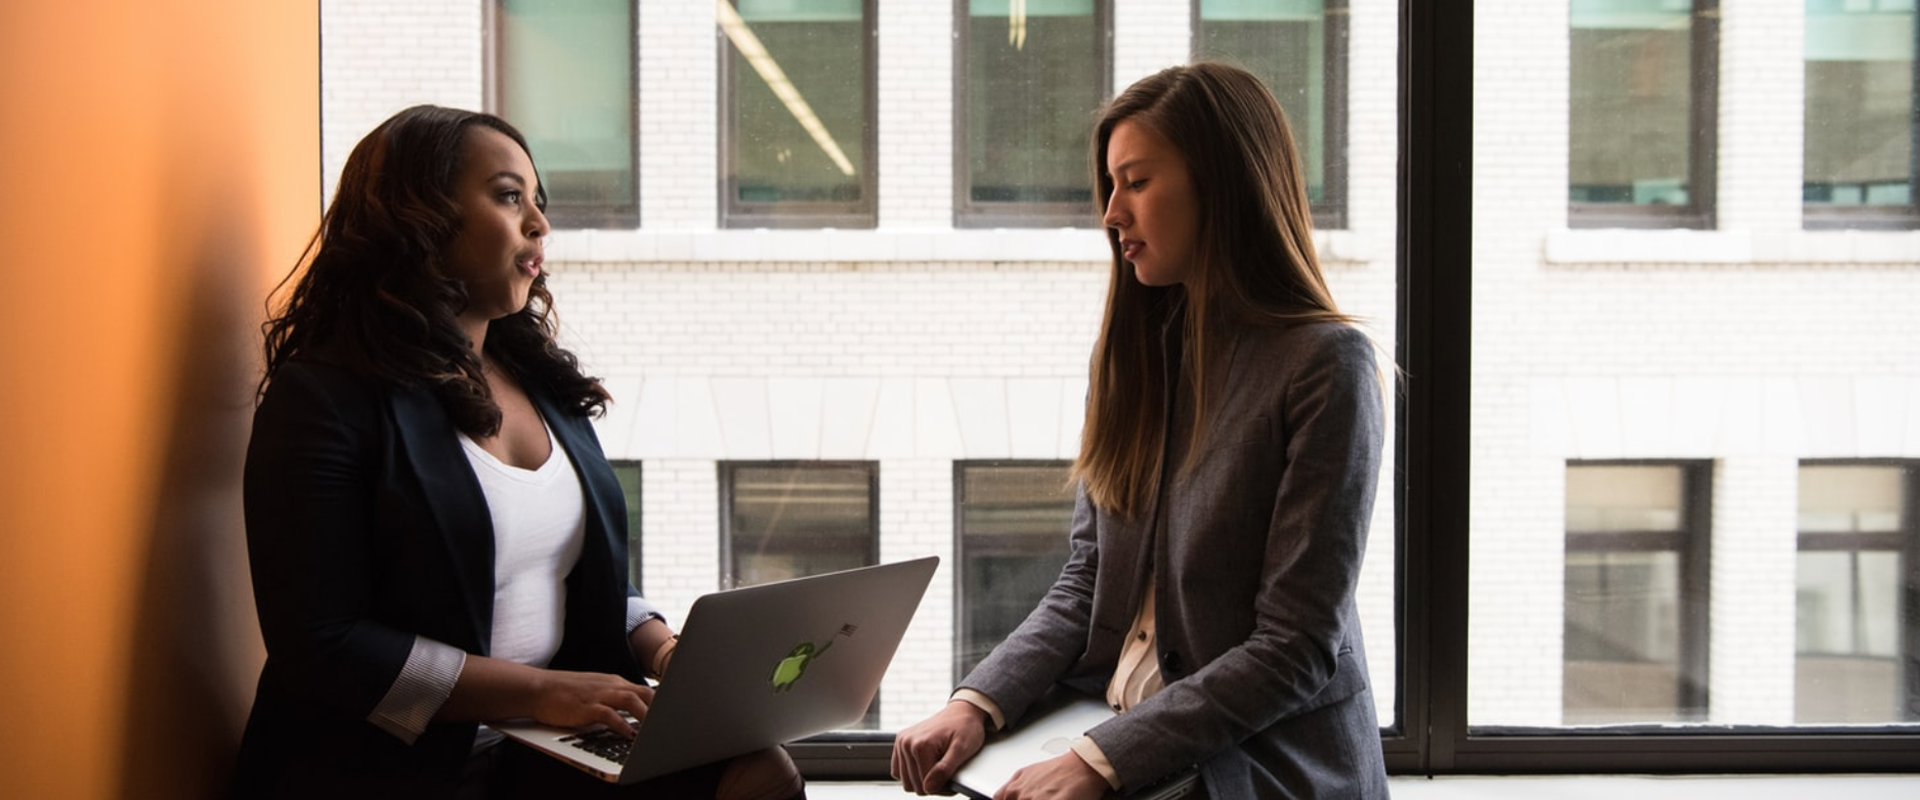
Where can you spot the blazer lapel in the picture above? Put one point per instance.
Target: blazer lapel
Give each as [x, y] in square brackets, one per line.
[572, 433]
[453, 500]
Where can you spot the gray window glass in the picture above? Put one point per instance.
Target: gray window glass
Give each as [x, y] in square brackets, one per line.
[1859, 104]
[798, 113]
[564, 75]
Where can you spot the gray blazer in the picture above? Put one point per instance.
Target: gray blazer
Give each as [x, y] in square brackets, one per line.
[1259, 638]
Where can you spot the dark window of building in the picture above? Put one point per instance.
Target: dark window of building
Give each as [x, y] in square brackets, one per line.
[1859, 142]
[1636, 594]
[798, 105]
[1028, 77]
[1012, 521]
[1299, 49]
[1643, 109]
[1855, 654]
[564, 74]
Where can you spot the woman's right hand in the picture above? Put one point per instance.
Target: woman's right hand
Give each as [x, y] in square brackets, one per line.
[576, 699]
[495, 689]
[926, 755]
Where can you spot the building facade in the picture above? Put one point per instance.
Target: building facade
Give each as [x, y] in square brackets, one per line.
[865, 337]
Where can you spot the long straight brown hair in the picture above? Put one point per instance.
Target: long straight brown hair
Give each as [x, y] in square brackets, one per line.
[1255, 267]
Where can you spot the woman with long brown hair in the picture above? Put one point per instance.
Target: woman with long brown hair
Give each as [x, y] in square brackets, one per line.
[1226, 475]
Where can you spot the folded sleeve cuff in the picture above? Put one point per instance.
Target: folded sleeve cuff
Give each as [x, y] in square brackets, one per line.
[1090, 753]
[639, 611]
[984, 703]
[424, 684]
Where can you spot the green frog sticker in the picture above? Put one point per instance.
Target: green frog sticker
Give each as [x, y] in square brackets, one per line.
[795, 664]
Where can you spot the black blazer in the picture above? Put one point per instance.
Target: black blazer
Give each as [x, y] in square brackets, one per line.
[365, 527]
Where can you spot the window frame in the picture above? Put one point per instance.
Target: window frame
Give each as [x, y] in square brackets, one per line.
[624, 215]
[1703, 142]
[1435, 262]
[962, 617]
[1692, 543]
[1821, 216]
[1432, 531]
[790, 214]
[971, 214]
[1906, 543]
[727, 472]
[1331, 212]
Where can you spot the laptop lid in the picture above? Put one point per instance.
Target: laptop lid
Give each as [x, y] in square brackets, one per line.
[1045, 734]
[764, 665]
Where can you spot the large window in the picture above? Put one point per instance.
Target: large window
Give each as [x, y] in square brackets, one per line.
[1299, 48]
[1029, 74]
[798, 104]
[1011, 520]
[1860, 114]
[563, 73]
[1855, 640]
[1618, 424]
[1642, 112]
[1635, 633]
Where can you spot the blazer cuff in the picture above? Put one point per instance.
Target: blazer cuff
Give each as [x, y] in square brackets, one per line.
[1089, 752]
[423, 686]
[984, 703]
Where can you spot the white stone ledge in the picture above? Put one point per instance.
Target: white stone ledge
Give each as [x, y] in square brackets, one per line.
[884, 244]
[1562, 787]
[1679, 246]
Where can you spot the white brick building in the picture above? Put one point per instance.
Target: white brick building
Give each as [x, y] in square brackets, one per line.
[915, 344]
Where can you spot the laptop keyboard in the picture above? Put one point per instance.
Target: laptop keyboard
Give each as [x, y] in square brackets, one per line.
[603, 743]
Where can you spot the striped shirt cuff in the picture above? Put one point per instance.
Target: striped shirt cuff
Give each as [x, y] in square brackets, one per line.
[639, 611]
[425, 683]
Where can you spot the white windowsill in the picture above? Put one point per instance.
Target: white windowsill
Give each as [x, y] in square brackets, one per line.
[1564, 787]
[1681, 246]
[1084, 245]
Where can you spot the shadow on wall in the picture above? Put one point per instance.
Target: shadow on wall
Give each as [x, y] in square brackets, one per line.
[196, 648]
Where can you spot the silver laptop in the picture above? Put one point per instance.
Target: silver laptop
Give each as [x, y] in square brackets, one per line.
[755, 667]
[1047, 735]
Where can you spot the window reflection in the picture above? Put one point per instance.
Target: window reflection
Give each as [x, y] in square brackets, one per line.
[799, 108]
[563, 73]
[1034, 72]
[1853, 643]
[1859, 103]
[1013, 520]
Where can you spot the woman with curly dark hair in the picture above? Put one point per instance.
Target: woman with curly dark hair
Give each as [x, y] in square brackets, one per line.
[436, 538]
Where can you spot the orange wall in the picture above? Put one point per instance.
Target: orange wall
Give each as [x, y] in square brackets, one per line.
[159, 170]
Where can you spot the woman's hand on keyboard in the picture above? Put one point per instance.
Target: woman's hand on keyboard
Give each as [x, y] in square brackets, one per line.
[576, 699]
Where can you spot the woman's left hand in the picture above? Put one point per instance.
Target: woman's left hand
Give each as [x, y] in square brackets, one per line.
[1063, 777]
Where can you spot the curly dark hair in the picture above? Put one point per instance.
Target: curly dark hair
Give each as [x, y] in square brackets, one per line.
[375, 297]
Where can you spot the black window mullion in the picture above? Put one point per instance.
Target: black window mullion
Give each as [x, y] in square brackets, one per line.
[1909, 528]
[1434, 264]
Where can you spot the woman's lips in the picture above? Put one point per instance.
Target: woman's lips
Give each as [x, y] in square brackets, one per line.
[1130, 249]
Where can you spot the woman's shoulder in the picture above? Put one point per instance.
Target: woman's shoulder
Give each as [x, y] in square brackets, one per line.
[1304, 343]
[320, 378]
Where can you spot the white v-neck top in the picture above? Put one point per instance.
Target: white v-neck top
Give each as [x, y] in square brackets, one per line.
[539, 528]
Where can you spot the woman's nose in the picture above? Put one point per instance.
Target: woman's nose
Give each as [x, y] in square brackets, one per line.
[537, 223]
